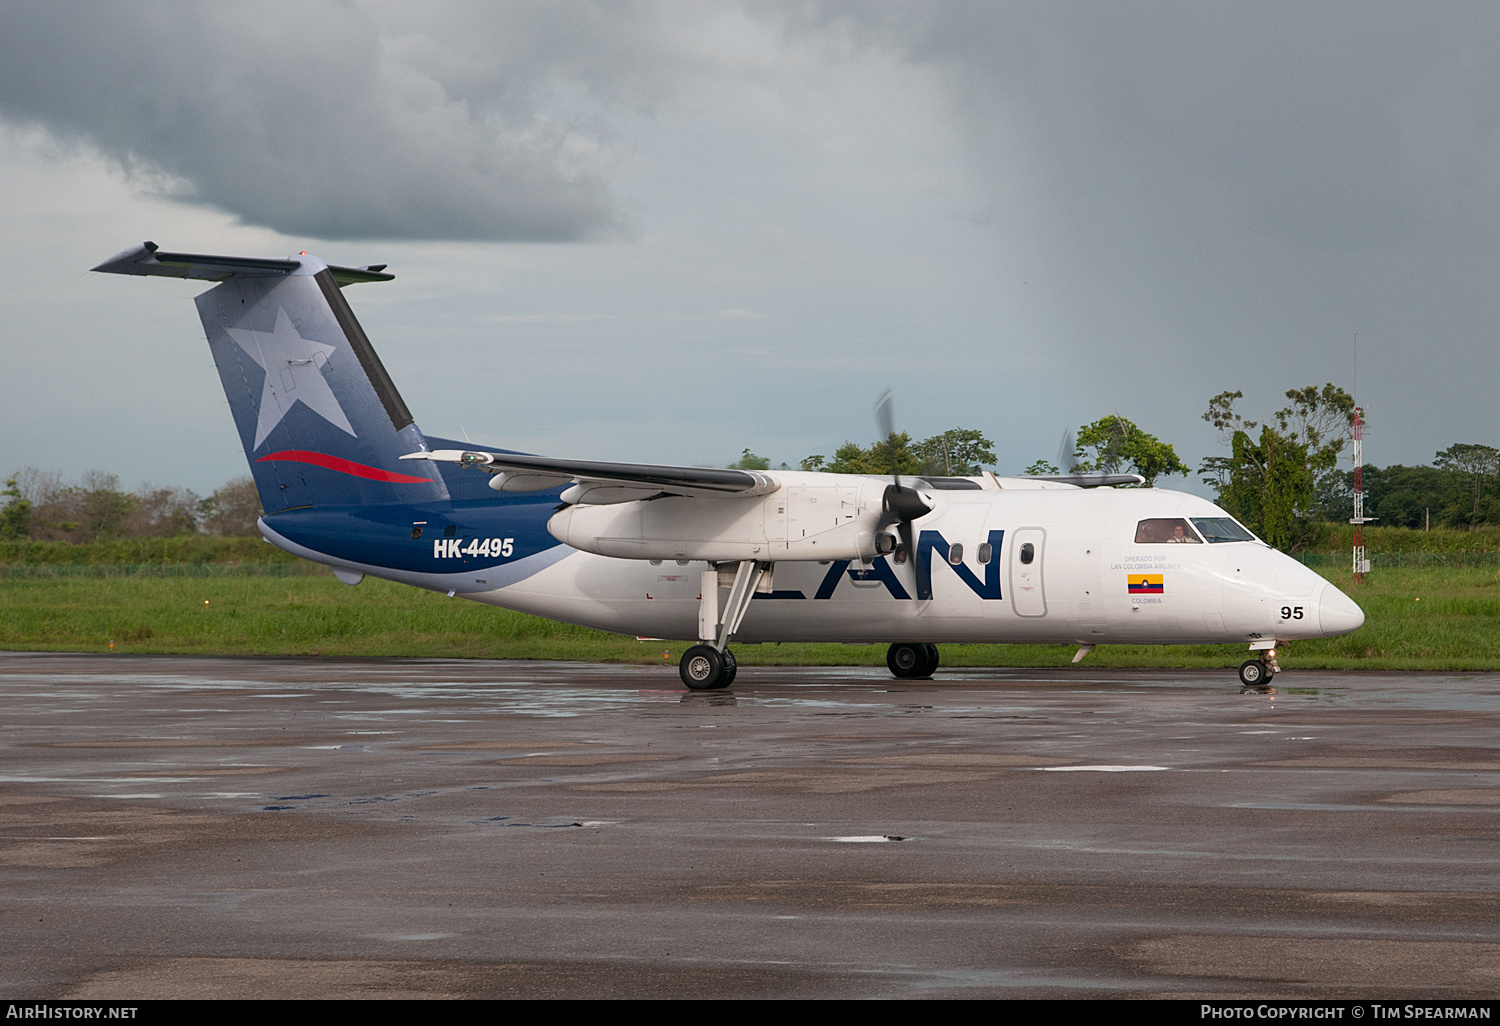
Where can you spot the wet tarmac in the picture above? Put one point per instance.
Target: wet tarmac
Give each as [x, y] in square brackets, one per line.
[193, 827]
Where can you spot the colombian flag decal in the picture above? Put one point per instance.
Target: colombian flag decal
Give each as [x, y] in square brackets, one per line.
[1146, 584]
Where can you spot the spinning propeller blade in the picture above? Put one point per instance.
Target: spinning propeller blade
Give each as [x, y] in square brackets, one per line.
[900, 505]
[1065, 452]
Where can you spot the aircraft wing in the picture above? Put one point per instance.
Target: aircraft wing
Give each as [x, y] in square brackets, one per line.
[605, 482]
[1092, 480]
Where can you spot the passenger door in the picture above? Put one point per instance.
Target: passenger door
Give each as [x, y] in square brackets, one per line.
[1027, 594]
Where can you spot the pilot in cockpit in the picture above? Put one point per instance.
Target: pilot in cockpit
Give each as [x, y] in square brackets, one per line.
[1165, 531]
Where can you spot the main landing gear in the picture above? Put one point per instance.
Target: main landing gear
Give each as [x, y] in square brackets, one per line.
[912, 660]
[711, 666]
[705, 668]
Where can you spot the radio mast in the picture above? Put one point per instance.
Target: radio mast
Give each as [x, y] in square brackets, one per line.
[1359, 520]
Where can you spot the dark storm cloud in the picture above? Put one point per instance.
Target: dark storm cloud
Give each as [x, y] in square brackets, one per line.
[1332, 124]
[1233, 191]
[1327, 125]
[346, 121]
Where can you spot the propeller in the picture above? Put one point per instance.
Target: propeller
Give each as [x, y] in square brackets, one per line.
[1065, 452]
[900, 505]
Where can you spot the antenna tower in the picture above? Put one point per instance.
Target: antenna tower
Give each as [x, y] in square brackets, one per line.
[1359, 520]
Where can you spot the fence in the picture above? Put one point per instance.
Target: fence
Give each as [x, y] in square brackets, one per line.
[1387, 560]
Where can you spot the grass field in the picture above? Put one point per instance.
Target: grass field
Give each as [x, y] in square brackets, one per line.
[1433, 618]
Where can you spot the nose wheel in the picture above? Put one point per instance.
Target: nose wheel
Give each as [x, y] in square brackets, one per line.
[705, 668]
[912, 660]
[1255, 674]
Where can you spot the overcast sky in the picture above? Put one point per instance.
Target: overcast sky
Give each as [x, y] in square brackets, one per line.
[670, 231]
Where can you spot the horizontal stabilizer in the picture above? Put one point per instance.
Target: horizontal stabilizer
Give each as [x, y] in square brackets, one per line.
[148, 258]
[699, 481]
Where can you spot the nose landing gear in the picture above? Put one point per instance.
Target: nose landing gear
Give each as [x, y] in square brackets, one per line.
[1257, 673]
[911, 660]
[1254, 673]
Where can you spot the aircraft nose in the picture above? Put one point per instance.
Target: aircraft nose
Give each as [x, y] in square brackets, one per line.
[1337, 613]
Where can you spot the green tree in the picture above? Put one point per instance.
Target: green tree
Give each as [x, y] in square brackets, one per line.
[1322, 419]
[162, 512]
[1286, 495]
[1114, 445]
[104, 507]
[1399, 496]
[15, 517]
[1269, 482]
[1477, 462]
[895, 453]
[233, 509]
[1041, 468]
[749, 461]
[957, 452]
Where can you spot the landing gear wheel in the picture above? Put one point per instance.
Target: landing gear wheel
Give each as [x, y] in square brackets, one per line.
[910, 661]
[933, 658]
[906, 660]
[731, 667]
[1254, 673]
[701, 668]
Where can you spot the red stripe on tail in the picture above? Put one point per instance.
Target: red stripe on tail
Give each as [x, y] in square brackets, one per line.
[343, 466]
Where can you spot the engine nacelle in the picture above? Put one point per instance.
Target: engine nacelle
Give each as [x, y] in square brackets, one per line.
[810, 517]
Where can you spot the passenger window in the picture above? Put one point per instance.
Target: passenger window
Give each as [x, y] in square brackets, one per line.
[956, 553]
[986, 552]
[1166, 531]
[1028, 552]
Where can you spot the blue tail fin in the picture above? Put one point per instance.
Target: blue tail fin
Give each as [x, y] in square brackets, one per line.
[321, 422]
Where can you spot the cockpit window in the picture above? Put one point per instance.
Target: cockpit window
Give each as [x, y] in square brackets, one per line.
[1222, 529]
[1168, 530]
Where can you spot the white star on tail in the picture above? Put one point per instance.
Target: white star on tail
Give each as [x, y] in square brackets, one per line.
[293, 372]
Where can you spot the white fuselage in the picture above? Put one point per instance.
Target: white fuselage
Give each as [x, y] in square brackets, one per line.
[1088, 581]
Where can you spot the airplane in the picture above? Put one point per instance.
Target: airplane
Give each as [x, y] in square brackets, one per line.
[705, 555]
